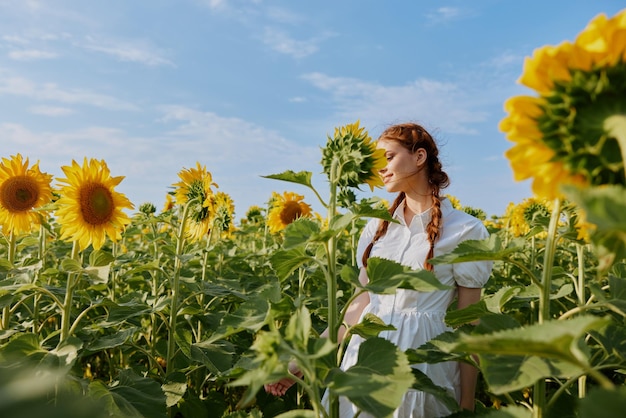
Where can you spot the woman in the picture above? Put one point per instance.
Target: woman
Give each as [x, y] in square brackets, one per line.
[427, 226]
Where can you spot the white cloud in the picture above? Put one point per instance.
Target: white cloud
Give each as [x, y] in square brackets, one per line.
[31, 55]
[129, 50]
[447, 14]
[51, 110]
[19, 86]
[281, 42]
[442, 105]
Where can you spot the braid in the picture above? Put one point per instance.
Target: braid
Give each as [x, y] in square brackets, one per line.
[433, 229]
[382, 228]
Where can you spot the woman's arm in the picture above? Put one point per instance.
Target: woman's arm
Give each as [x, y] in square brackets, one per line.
[469, 374]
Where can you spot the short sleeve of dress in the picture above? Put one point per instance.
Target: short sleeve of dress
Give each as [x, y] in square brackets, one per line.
[364, 240]
[473, 274]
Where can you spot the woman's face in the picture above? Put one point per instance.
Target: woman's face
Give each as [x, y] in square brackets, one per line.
[403, 167]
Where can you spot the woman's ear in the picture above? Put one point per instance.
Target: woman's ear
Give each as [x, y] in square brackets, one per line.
[421, 156]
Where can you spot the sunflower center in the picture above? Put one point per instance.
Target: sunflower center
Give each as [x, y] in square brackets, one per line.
[291, 211]
[96, 204]
[19, 193]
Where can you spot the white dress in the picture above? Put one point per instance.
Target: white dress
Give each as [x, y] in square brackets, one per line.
[419, 316]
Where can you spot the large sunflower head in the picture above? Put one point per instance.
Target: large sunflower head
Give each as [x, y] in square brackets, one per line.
[355, 157]
[196, 189]
[89, 208]
[23, 191]
[561, 135]
[285, 209]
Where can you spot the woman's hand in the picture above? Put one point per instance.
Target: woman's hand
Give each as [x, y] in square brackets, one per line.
[280, 388]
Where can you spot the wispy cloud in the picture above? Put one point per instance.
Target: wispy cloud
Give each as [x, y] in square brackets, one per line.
[53, 111]
[443, 105]
[447, 14]
[138, 51]
[31, 55]
[51, 92]
[282, 42]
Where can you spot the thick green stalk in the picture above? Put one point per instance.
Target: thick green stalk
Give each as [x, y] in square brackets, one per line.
[6, 311]
[66, 314]
[539, 393]
[331, 279]
[580, 292]
[175, 285]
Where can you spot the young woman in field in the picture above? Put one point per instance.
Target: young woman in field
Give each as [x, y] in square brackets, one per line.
[427, 226]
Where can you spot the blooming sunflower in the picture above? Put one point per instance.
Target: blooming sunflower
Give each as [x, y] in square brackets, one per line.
[561, 136]
[356, 157]
[89, 208]
[23, 191]
[196, 188]
[285, 209]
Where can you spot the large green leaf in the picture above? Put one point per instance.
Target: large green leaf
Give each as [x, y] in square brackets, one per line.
[605, 207]
[285, 262]
[385, 276]
[425, 384]
[301, 177]
[131, 396]
[379, 379]
[371, 326]
[605, 403]
[553, 339]
[300, 232]
[250, 315]
[505, 374]
[492, 248]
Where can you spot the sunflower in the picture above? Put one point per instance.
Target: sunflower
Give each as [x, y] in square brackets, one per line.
[23, 191]
[285, 209]
[224, 211]
[195, 189]
[355, 155]
[90, 209]
[561, 136]
[169, 203]
[524, 216]
[454, 201]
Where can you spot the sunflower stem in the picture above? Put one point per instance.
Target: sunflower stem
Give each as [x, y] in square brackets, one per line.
[615, 126]
[175, 285]
[331, 278]
[539, 393]
[69, 296]
[6, 311]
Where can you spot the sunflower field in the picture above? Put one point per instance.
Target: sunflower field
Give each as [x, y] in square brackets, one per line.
[111, 309]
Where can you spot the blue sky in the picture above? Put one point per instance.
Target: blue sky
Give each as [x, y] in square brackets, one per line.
[250, 88]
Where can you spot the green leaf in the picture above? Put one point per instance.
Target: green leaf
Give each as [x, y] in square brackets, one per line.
[491, 248]
[174, 388]
[70, 265]
[113, 340]
[607, 403]
[285, 262]
[425, 384]
[299, 232]
[250, 315]
[505, 374]
[554, 339]
[99, 258]
[301, 177]
[379, 379]
[298, 413]
[371, 326]
[605, 207]
[131, 396]
[299, 328]
[385, 276]
[217, 356]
